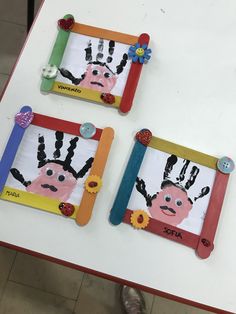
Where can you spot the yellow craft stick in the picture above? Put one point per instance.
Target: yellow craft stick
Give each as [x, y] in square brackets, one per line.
[183, 152]
[81, 92]
[33, 200]
[86, 206]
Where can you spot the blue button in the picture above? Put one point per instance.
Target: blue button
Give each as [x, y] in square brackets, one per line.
[87, 130]
[225, 165]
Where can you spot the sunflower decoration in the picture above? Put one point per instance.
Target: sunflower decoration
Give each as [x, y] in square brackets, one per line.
[139, 219]
[93, 184]
[139, 53]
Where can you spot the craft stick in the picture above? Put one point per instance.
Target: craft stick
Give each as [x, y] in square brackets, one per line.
[56, 55]
[104, 33]
[11, 149]
[183, 152]
[167, 231]
[206, 245]
[127, 184]
[61, 125]
[33, 200]
[133, 78]
[86, 206]
[84, 93]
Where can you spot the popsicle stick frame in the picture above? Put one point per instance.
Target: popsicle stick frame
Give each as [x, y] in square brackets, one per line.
[95, 64]
[54, 165]
[172, 191]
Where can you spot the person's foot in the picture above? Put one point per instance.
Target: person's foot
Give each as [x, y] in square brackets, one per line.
[132, 300]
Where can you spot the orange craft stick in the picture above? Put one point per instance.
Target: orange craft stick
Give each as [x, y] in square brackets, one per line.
[104, 33]
[86, 206]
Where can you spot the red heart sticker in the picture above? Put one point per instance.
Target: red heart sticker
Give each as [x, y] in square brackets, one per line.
[66, 24]
[144, 136]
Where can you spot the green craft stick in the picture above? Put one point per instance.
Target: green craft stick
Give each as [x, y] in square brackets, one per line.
[56, 55]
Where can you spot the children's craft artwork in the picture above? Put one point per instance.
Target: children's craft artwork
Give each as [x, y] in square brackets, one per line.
[172, 191]
[95, 64]
[54, 165]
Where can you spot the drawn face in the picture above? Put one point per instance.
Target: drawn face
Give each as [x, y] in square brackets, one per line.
[171, 205]
[99, 78]
[53, 182]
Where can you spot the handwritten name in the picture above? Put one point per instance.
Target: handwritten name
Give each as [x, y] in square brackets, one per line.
[13, 194]
[172, 233]
[71, 89]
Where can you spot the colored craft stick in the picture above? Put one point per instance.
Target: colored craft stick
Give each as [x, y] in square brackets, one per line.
[11, 150]
[127, 184]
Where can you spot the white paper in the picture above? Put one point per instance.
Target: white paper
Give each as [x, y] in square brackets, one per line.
[74, 59]
[26, 158]
[151, 171]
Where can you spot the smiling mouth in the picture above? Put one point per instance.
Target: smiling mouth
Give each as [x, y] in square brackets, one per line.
[166, 208]
[50, 187]
[97, 83]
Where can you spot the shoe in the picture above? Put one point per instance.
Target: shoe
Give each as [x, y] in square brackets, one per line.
[132, 300]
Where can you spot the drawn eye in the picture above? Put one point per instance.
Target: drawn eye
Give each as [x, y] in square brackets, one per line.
[61, 178]
[167, 198]
[96, 72]
[178, 202]
[49, 172]
[107, 75]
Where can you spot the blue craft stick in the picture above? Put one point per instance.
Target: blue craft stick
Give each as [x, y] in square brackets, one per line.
[123, 195]
[10, 150]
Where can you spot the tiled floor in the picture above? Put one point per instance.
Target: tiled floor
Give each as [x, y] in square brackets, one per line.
[30, 285]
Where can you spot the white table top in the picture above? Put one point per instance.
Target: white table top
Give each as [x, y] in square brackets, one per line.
[186, 94]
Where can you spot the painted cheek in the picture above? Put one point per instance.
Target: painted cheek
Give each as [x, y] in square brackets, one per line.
[86, 81]
[182, 212]
[35, 186]
[64, 189]
[91, 78]
[155, 208]
[88, 75]
[112, 82]
[185, 208]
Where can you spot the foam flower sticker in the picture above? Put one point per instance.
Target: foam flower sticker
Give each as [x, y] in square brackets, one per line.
[139, 219]
[139, 53]
[93, 184]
